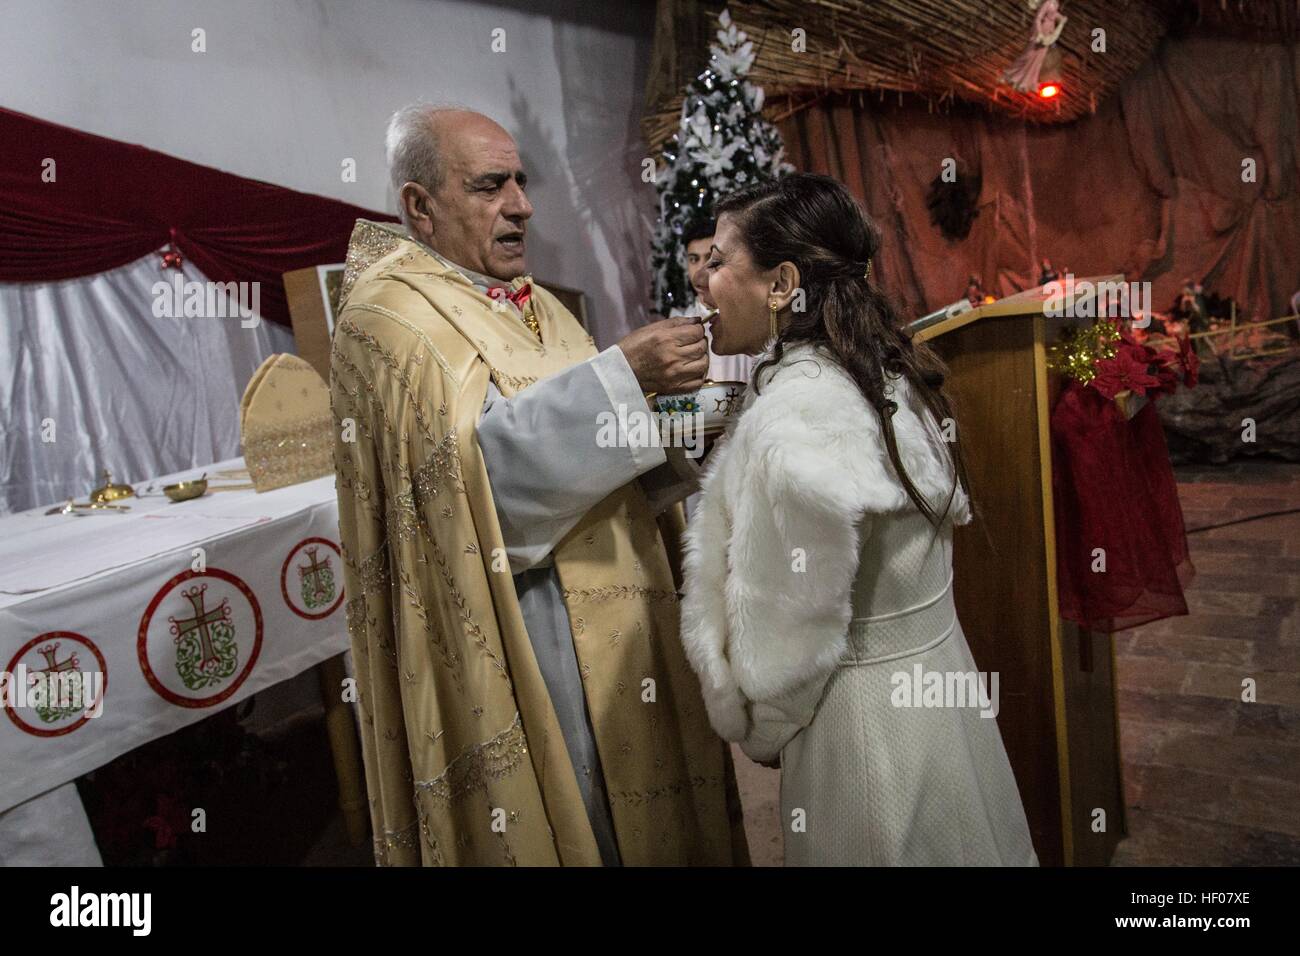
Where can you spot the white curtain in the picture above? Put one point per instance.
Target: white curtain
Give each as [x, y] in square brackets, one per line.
[86, 363]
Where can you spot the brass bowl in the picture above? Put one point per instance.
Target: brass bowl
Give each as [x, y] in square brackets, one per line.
[185, 490]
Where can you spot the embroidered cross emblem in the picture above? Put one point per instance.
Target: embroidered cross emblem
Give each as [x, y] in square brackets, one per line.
[317, 578]
[51, 710]
[202, 624]
[50, 652]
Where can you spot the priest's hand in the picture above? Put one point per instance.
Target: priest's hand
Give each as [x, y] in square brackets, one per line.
[668, 356]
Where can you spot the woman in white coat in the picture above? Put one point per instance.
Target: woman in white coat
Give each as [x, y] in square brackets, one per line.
[818, 609]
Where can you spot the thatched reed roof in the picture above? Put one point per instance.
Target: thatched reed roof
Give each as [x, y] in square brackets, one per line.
[941, 50]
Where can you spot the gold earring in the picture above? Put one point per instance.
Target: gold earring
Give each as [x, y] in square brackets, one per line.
[771, 319]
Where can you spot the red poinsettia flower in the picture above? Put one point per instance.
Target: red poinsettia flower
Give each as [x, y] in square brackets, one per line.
[1164, 366]
[1129, 370]
[1129, 337]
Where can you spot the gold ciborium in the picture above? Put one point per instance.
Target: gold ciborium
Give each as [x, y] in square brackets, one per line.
[110, 492]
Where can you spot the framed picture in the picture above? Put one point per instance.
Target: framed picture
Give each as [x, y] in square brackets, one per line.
[313, 295]
[331, 283]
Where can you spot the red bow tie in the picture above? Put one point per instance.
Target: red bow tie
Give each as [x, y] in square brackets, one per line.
[519, 296]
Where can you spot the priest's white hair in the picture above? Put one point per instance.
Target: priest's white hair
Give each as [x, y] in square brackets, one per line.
[412, 149]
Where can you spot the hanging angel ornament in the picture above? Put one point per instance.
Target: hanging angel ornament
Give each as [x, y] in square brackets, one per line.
[1048, 24]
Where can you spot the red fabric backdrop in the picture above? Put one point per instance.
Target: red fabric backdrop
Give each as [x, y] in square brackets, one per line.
[110, 203]
[1150, 186]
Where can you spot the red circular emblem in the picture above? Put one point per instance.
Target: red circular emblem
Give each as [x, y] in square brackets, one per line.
[200, 637]
[72, 694]
[311, 579]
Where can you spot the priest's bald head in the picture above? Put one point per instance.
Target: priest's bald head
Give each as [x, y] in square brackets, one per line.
[460, 187]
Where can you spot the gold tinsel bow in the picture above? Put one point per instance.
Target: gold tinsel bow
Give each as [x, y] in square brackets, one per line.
[1079, 350]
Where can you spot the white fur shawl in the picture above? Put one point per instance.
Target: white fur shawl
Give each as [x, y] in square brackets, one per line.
[791, 481]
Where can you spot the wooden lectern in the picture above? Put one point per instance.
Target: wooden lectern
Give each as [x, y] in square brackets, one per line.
[1057, 686]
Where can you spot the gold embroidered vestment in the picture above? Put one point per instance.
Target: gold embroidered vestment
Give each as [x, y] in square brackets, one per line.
[465, 762]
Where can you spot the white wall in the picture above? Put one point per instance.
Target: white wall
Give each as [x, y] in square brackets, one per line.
[288, 89]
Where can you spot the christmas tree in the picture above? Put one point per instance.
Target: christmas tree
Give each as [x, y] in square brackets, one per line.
[723, 144]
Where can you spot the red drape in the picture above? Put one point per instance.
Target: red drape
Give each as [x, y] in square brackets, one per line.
[107, 203]
[1121, 547]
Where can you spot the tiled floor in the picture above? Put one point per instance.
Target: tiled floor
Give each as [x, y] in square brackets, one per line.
[1210, 779]
[760, 795]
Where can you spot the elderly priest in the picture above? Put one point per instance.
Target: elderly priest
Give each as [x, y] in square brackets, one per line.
[524, 695]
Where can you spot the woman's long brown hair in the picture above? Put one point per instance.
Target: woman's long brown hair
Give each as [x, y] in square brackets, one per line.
[815, 223]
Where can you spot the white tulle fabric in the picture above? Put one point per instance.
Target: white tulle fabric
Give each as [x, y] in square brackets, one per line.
[86, 361]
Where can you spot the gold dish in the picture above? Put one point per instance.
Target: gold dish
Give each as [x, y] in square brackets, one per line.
[185, 490]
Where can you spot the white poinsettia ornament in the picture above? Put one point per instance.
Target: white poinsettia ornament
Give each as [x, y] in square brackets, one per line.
[734, 54]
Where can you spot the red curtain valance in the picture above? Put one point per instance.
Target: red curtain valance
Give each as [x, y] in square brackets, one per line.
[111, 203]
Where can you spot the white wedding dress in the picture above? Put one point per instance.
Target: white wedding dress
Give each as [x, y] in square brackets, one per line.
[882, 784]
[815, 595]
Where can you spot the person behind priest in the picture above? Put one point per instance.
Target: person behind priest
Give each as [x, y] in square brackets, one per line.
[512, 611]
[818, 566]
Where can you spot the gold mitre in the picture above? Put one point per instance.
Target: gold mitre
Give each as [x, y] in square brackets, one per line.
[285, 424]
